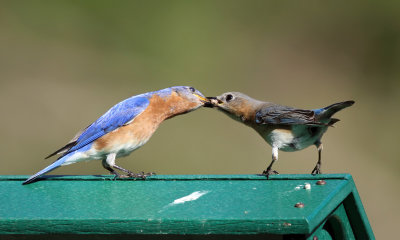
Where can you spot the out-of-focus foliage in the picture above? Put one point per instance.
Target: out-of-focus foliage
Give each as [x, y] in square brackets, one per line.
[64, 63]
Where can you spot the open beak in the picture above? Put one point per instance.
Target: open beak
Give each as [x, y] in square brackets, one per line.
[212, 102]
[202, 99]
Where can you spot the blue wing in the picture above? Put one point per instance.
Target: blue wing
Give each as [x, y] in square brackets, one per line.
[117, 116]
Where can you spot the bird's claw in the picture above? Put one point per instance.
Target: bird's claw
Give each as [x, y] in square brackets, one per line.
[268, 172]
[316, 170]
[141, 175]
[123, 176]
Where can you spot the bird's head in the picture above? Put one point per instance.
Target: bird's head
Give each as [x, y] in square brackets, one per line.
[183, 99]
[236, 105]
[191, 94]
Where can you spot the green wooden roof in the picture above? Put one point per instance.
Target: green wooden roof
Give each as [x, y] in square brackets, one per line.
[170, 204]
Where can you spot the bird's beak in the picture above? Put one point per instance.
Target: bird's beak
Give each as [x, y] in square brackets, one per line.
[213, 102]
[204, 100]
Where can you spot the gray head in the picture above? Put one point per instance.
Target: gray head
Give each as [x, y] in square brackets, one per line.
[190, 94]
[236, 105]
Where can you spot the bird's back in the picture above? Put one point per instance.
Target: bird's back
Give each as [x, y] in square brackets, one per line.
[292, 129]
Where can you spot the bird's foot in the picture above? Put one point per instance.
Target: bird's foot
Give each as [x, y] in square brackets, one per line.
[123, 176]
[116, 175]
[268, 172]
[316, 170]
[140, 175]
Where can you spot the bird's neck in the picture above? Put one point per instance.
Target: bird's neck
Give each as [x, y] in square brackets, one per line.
[247, 113]
[161, 108]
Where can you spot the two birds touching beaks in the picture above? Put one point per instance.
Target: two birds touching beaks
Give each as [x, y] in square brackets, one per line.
[129, 125]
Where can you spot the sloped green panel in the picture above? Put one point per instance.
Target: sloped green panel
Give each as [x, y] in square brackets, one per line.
[210, 204]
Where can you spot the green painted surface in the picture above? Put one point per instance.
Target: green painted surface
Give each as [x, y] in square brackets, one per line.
[338, 223]
[336, 226]
[225, 204]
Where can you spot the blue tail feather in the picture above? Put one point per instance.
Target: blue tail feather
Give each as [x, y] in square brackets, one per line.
[47, 169]
[327, 112]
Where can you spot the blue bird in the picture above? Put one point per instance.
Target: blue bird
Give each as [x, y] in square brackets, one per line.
[284, 128]
[124, 128]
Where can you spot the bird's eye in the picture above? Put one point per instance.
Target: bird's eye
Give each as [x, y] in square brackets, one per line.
[229, 97]
[192, 89]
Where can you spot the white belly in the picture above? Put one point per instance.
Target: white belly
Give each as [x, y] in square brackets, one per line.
[297, 138]
[121, 150]
[280, 138]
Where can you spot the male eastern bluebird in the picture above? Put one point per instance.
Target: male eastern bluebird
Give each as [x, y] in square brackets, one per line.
[125, 127]
[284, 128]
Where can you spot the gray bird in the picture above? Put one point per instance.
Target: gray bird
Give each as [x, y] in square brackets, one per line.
[284, 128]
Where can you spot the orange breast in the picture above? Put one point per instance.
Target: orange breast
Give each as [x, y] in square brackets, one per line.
[139, 131]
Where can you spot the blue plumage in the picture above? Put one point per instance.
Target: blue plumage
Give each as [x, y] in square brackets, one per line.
[114, 118]
[327, 112]
[117, 116]
[55, 164]
[85, 146]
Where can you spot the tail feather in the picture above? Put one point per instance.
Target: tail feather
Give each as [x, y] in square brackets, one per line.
[47, 169]
[67, 147]
[333, 121]
[62, 150]
[328, 111]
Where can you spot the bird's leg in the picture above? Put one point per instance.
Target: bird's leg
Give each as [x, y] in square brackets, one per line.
[110, 162]
[108, 167]
[269, 170]
[317, 168]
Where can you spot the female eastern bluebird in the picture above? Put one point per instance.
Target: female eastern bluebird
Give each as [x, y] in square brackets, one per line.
[125, 127]
[284, 128]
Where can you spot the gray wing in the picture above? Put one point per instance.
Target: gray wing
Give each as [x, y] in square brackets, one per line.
[283, 115]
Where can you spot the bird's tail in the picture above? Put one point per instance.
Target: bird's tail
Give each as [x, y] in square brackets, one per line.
[327, 112]
[47, 169]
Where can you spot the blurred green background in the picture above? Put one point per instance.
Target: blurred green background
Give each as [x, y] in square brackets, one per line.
[64, 63]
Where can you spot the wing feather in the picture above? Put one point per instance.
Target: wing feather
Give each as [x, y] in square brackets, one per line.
[283, 115]
[120, 114]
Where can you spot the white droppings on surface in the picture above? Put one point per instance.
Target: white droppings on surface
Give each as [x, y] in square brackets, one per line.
[303, 186]
[191, 197]
[254, 188]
